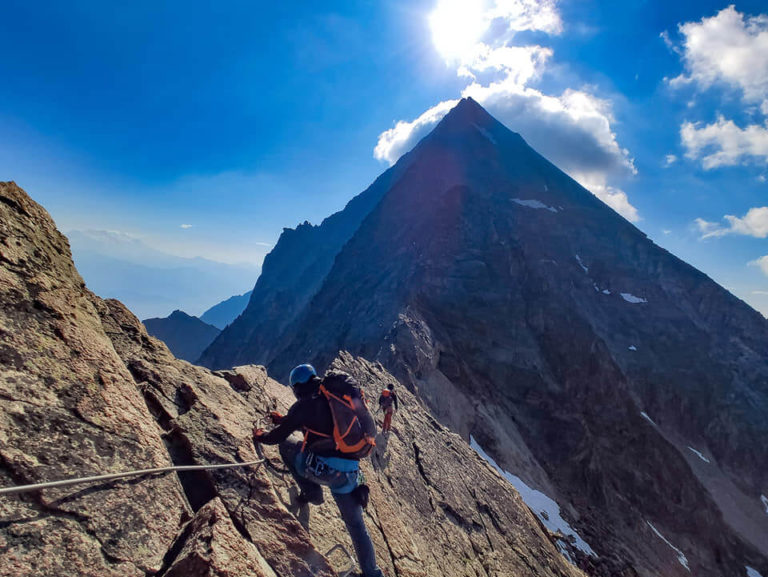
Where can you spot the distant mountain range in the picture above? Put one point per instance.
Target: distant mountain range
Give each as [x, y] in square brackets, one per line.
[225, 312]
[591, 367]
[150, 282]
[186, 336]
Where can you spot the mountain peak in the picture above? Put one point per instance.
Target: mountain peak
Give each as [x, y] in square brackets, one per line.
[469, 117]
[468, 113]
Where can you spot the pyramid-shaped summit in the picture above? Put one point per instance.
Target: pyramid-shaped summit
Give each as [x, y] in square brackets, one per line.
[525, 313]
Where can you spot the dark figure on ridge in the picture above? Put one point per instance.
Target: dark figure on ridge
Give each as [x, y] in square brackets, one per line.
[338, 432]
[389, 404]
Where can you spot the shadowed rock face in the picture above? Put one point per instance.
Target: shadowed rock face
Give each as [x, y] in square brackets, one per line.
[527, 313]
[185, 335]
[223, 313]
[86, 391]
[291, 275]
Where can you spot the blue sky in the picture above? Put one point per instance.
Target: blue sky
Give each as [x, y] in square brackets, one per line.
[240, 118]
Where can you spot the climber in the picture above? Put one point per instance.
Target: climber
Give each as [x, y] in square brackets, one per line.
[388, 404]
[326, 457]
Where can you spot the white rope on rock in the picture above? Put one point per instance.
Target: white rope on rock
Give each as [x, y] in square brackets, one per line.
[110, 477]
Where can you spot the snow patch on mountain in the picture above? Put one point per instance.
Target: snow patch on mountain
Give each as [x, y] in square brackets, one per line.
[630, 298]
[698, 454]
[532, 203]
[752, 572]
[606, 292]
[485, 133]
[632, 348]
[764, 499]
[547, 510]
[680, 555]
[647, 418]
[581, 264]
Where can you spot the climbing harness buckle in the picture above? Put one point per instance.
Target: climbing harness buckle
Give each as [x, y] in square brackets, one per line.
[315, 466]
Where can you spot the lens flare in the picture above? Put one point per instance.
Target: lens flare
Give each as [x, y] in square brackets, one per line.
[457, 26]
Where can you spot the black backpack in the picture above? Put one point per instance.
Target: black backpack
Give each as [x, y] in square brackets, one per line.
[354, 430]
[387, 399]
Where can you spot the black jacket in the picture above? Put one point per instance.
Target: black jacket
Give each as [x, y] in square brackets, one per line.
[309, 414]
[392, 395]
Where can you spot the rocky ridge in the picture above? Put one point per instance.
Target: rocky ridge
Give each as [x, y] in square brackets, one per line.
[87, 391]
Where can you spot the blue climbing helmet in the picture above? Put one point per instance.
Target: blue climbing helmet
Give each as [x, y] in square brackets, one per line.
[302, 374]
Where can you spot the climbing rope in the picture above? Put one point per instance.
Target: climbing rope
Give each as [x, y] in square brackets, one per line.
[138, 473]
[279, 471]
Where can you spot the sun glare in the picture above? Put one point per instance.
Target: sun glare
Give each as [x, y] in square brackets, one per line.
[457, 25]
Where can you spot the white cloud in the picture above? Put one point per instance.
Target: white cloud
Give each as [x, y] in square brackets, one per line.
[670, 159]
[541, 15]
[185, 226]
[519, 64]
[615, 198]
[763, 293]
[761, 262]
[573, 129]
[395, 142]
[707, 228]
[666, 231]
[668, 41]
[754, 223]
[727, 49]
[722, 143]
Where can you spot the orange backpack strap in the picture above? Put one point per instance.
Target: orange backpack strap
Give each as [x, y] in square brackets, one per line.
[307, 431]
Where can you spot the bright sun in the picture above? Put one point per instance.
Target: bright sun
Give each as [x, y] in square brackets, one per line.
[456, 26]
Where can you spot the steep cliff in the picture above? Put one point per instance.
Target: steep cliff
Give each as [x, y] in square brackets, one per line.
[70, 408]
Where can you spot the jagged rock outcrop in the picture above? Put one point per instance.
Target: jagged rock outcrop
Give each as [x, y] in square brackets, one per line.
[291, 275]
[86, 391]
[70, 408]
[588, 361]
[212, 546]
[205, 420]
[186, 336]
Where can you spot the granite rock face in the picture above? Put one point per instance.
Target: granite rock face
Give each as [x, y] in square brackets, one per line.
[70, 408]
[588, 361]
[212, 547]
[86, 391]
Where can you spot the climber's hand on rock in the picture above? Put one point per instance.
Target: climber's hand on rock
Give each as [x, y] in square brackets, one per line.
[276, 417]
[258, 433]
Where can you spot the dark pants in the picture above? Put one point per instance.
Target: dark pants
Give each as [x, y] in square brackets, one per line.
[347, 502]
